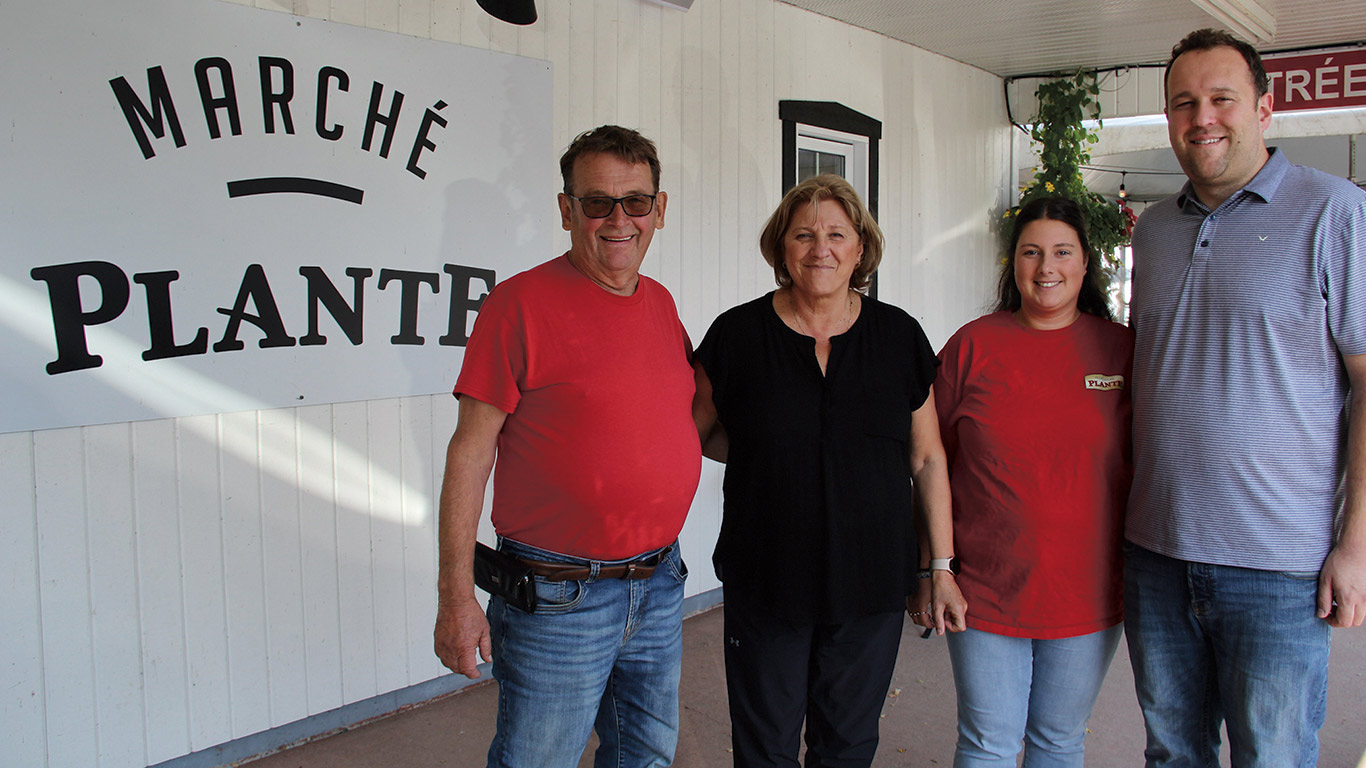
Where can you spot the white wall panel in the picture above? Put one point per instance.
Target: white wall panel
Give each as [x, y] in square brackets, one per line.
[665, 259]
[318, 513]
[1125, 93]
[1136, 91]
[282, 546]
[422, 449]
[347, 11]
[1152, 92]
[382, 15]
[602, 72]
[243, 565]
[177, 584]
[504, 38]
[113, 584]
[415, 18]
[582, 63]
[23, 726]
[711, 149]
[202, 542]
[161, 590]
[354, 565]
[445, 21]
[64, 578]
[313, 9]
[386, 544]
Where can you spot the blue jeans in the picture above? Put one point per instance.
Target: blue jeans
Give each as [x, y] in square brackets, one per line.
[1211, 643]
[1018, 688]
[600, 654]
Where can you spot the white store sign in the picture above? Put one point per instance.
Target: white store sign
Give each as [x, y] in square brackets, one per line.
[209, 208]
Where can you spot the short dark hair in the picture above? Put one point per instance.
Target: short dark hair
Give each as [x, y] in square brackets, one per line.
[1207, 39]
[624, 143]
[1091, 300]
[826, 186]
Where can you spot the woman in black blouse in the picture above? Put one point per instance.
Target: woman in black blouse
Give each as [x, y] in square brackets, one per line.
[819, 400]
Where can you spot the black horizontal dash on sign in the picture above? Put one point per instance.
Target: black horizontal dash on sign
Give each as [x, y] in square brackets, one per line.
[280, 184]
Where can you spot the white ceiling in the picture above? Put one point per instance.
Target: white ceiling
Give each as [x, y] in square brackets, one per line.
[1017, 37]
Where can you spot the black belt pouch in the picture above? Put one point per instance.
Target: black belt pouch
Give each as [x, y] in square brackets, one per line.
[503, 575]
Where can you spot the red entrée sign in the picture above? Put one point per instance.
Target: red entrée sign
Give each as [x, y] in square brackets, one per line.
[1318, 81]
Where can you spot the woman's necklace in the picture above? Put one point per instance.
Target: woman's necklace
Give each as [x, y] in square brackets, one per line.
[848, 313]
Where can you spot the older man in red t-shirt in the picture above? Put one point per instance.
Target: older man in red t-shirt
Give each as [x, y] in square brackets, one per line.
[577, 377]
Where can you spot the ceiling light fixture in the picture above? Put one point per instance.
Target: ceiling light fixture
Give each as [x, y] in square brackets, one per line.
[521, 12]
[1123, 193]
[1246, 18]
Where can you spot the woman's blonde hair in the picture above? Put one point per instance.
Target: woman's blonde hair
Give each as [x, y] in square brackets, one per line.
[827, 186]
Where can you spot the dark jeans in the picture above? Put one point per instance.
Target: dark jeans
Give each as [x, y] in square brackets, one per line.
[833, 676]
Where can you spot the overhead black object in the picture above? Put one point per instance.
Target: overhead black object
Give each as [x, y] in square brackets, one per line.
[512, 11]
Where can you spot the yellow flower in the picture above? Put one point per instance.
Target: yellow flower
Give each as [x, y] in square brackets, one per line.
[1048, 185]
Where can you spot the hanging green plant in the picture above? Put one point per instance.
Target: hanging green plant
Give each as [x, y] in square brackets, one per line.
[1064, 147]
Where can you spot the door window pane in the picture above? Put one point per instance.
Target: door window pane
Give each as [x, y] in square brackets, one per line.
[812, 162]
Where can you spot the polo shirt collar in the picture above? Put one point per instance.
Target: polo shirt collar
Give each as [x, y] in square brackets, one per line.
[1263, 185]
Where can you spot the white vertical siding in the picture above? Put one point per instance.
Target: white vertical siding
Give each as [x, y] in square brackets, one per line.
[63, 566]
[1136, 91]
[282, 576]
[355, 572]
[161, 605]
[172, 585]
[113, 584]
[1123, 93]
[22, 663]
[319, 559]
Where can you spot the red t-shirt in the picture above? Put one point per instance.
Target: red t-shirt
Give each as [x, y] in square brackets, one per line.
[1037, 429]
[599, 456]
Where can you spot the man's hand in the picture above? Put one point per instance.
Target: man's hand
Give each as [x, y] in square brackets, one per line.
[1343, 580]
[460, 624]
[461, 628]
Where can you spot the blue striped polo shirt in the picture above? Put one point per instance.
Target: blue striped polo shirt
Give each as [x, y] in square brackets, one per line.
[1239, 391]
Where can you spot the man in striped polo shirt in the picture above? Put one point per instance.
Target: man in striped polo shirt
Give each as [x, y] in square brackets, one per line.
[1246, 530]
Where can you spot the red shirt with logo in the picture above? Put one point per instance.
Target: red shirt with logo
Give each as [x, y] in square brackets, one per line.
[1037, 429]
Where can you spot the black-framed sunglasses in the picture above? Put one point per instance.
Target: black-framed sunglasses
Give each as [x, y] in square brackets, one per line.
[600, 206]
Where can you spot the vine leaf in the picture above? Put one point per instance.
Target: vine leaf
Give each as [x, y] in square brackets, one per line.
[1063, 147]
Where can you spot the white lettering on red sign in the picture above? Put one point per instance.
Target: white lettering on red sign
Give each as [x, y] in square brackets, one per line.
[1318, 81]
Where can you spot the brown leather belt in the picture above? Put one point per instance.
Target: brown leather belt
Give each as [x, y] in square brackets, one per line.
[638, 569]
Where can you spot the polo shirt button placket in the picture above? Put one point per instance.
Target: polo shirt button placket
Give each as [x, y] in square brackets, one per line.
[1205, 236]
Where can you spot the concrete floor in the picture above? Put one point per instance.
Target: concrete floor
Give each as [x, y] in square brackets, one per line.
[917, 726]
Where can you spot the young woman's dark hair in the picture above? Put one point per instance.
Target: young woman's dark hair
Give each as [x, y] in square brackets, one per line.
[1091, 300]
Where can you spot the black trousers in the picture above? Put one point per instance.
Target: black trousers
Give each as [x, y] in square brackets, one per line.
[833, 676]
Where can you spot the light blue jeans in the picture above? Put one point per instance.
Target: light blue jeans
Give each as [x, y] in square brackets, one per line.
[1211, 643]
[600, 654]
[1013, 689]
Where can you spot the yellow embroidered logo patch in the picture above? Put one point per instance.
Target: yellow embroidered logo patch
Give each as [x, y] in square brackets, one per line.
[1098, 381]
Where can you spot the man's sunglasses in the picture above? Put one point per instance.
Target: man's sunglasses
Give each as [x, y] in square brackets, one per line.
[600, 206]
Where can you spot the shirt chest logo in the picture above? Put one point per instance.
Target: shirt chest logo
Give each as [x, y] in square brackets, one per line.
[1102, 382]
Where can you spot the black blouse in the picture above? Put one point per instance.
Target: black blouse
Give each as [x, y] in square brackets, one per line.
[817, 524]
